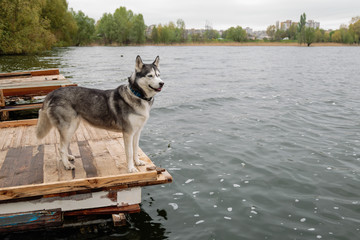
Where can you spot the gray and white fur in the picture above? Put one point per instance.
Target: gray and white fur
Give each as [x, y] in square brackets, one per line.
[124, 109]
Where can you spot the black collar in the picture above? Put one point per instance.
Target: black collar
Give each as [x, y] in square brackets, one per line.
[140, 95]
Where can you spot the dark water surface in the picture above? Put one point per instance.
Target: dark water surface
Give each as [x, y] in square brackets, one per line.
[262, 142]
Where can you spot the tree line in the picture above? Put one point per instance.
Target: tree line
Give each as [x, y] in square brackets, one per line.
[307, 35]
[31, 26]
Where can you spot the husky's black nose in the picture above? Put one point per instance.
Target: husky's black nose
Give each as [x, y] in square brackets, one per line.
[161, 84]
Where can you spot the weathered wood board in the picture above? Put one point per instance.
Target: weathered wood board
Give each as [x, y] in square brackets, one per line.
[30, 167]
[30, 220]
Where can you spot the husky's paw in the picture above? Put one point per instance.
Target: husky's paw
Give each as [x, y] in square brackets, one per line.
[139, 163]
[133, 170]
[71, 157]
[69, 166]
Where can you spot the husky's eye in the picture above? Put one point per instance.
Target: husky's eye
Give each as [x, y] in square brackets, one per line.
[150, 76]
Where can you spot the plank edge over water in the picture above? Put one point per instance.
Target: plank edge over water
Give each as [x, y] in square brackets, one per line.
[75, 185]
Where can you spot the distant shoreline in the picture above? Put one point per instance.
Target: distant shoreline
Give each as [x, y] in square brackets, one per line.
[269, 44]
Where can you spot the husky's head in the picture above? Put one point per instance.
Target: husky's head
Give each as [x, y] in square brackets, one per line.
[145, 82]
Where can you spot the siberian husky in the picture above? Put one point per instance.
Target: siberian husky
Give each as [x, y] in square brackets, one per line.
[125, 109]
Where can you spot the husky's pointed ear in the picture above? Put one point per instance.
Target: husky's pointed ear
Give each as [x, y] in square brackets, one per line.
[138, 64]
[156, 62]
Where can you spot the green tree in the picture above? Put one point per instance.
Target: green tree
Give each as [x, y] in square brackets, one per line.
[137, 32]
[155, 35]
[309, 36]
[180, 31]
[122, 25]
[270, 31]
[105, 28]
[22, 30]
[301, 29]
[86, 29]
[236, 34]
[354, 27]
[62, 22]
[291, 32]
[280, 34]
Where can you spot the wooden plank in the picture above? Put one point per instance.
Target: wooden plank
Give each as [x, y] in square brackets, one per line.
[117, 153]
[14, 74]
[135, 208]
[105, 164]
[31, 73]
[17, 137]
[9, 136]
[2, 158]
[34, 82]
[87, 159]
[75, 185]
[40, 90]
[50, 167]
[14, 170]
[30, 220]
[2, 99]
[45, 72]
[16, 123]
[36, 171]
[79, 168]
[4, 132]
[21, 107]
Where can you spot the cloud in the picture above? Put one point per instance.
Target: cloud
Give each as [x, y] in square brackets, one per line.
[222, 14]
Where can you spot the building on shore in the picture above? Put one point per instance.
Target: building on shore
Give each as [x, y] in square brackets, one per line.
[288, 23]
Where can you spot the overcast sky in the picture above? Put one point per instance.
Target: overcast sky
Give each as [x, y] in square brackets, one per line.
[222, 14]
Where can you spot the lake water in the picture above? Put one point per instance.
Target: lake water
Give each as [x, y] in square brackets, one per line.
[262, 142]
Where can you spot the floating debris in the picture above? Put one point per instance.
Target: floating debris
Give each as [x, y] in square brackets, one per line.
[198, 222]
[236, 185]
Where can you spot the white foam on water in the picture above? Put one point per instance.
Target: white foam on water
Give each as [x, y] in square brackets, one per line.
[198, 222]
[189, 181]
[174, 205]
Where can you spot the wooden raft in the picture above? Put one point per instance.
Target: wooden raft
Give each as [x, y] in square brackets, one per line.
[30, 167]
[19, 85]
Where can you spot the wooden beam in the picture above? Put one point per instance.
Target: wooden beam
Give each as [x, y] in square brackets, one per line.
[30, 73]
[119, 219]
[30, 220]
[104, 210]
[17, 123]
[75, 185]
[45, 72]
[2, 99]
[32, 90]
[21, 107]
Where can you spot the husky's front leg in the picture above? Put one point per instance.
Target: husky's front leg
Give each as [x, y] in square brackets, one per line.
[128, 140]
[138, 162]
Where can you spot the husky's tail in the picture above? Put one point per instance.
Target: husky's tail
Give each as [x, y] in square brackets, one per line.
[43, 125]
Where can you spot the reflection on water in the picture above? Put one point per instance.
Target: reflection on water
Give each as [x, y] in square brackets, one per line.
[46, 60]
[262, 142]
